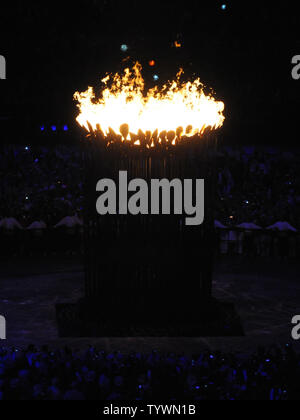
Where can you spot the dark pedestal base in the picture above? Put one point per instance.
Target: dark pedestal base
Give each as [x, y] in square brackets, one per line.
[90, 318]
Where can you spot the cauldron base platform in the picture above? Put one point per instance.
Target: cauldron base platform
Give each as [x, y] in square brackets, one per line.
[86, 319]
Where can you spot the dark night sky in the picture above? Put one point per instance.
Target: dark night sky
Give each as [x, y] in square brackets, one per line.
[244, 53]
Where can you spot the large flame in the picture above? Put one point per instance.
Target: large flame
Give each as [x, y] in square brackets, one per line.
[125, 107]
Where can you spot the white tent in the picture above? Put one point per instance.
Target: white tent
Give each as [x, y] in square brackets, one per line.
[219, 225]
[37, 226]
[249, 226]
[10, 224]
[282, 227]
[70, 222]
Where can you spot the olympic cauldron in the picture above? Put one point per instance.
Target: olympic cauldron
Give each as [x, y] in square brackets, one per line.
[149, 274]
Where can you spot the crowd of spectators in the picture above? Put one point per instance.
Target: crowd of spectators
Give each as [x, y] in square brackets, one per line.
[40, 184]
[260, 186]
[40, 374]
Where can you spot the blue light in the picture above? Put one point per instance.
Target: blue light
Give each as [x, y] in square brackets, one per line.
[42, 128]
[53, 128]
[26, 148]
[124, 47]
[224, 7]
[66, 128]
[156, 77]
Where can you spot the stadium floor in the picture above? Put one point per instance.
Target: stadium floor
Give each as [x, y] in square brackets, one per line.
[266, 294]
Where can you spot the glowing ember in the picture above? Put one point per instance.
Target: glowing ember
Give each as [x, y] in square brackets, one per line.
[124, 108]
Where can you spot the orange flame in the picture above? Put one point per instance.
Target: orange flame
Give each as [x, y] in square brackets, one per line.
[125, 109]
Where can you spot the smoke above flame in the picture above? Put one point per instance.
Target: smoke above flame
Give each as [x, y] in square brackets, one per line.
[125, 108]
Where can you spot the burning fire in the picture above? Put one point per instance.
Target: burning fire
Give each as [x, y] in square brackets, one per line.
[126, 110]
